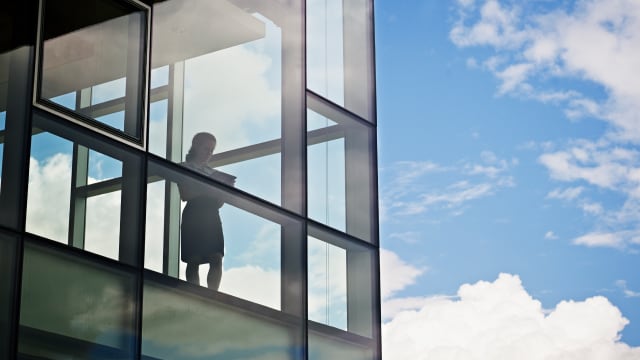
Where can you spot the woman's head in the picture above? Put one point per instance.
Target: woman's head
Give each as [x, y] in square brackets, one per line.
[202, 146]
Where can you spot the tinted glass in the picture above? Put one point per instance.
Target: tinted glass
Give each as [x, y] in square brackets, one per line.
[228, 69]
[340, 53]
[340, 172]
[72, 308]
[83, 193]
[209, 221]
[7, 273]
[176, 325]
[92, 61]
[340, 283]
[326, 347]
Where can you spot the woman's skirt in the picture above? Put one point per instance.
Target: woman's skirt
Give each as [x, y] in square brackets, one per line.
[201, 231]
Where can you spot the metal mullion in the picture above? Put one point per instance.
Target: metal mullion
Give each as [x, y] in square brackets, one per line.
[77, 200]
[175, 108]
[333, 111]
[267, 210]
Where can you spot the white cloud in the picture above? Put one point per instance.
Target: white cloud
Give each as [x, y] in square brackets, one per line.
[500, 320]
[532, 47]
[622, 284]
[550, 235]
[601, 239]
[395, 274]
[409, 237]
[410, 192]
[566, 194]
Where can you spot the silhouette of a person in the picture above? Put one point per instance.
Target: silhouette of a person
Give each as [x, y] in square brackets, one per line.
[202, 240]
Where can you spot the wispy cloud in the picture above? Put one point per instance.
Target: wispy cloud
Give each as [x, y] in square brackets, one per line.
[622, 285]
[531, 49]
[417, 187]
[550, 235]
[534, 50]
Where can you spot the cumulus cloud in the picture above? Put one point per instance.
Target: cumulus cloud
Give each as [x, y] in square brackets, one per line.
[550, 235]
[500, 320]
[406, 192]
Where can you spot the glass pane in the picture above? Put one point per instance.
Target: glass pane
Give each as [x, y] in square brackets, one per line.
[340, 174]
[327, 284]
[340, 283]
[324, 347]
[209, 228]
[76, 195]
[72, 308]
[227, 77]
[176, 325]
[49, 186]
[93, 49]
[7, 273]
[340, 53]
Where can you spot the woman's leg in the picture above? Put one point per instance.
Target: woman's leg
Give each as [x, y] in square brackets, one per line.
[192, 273]
[215, 272]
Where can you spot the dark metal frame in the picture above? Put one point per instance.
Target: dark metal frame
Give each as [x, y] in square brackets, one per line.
[293, 145]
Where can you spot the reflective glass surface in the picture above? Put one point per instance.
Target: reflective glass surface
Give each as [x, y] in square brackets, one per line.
[324, 347]
[227, 73]
[209, 221]
[75, 309]
[340, 172]
[75, 195]
[340, 53]
[340, 283]
[176, 325]
[92, 61]
[7, 273]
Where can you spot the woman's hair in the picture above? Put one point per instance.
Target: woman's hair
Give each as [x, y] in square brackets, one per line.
[198, 139]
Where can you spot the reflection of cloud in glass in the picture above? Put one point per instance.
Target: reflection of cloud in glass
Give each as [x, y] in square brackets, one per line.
[327, 287]
[176, 326]
[227, 94]
[48, 206]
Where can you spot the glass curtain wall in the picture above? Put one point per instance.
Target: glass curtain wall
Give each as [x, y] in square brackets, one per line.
[188, 179]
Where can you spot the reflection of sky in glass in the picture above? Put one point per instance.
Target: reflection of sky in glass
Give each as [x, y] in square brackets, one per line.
[67, 100]
[3, 119]
[45, 145]
[103, 167]
[115, 120]
[324, 49]
[327, 283]
[158, 127]
[108, 91]
[159, 77]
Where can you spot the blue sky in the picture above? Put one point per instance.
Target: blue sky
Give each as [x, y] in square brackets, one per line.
[508, 143]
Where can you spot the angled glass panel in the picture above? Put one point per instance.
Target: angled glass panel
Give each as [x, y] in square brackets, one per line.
[179, 325]
[341, 283]
[197, 231]
[7, 285]
[340, 181]
[83, 193]
[229, 69]
[323, 346]
[73, 308]
[92, 63]
[340, 53]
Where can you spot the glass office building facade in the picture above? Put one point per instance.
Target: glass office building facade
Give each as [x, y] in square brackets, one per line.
[99, 102]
